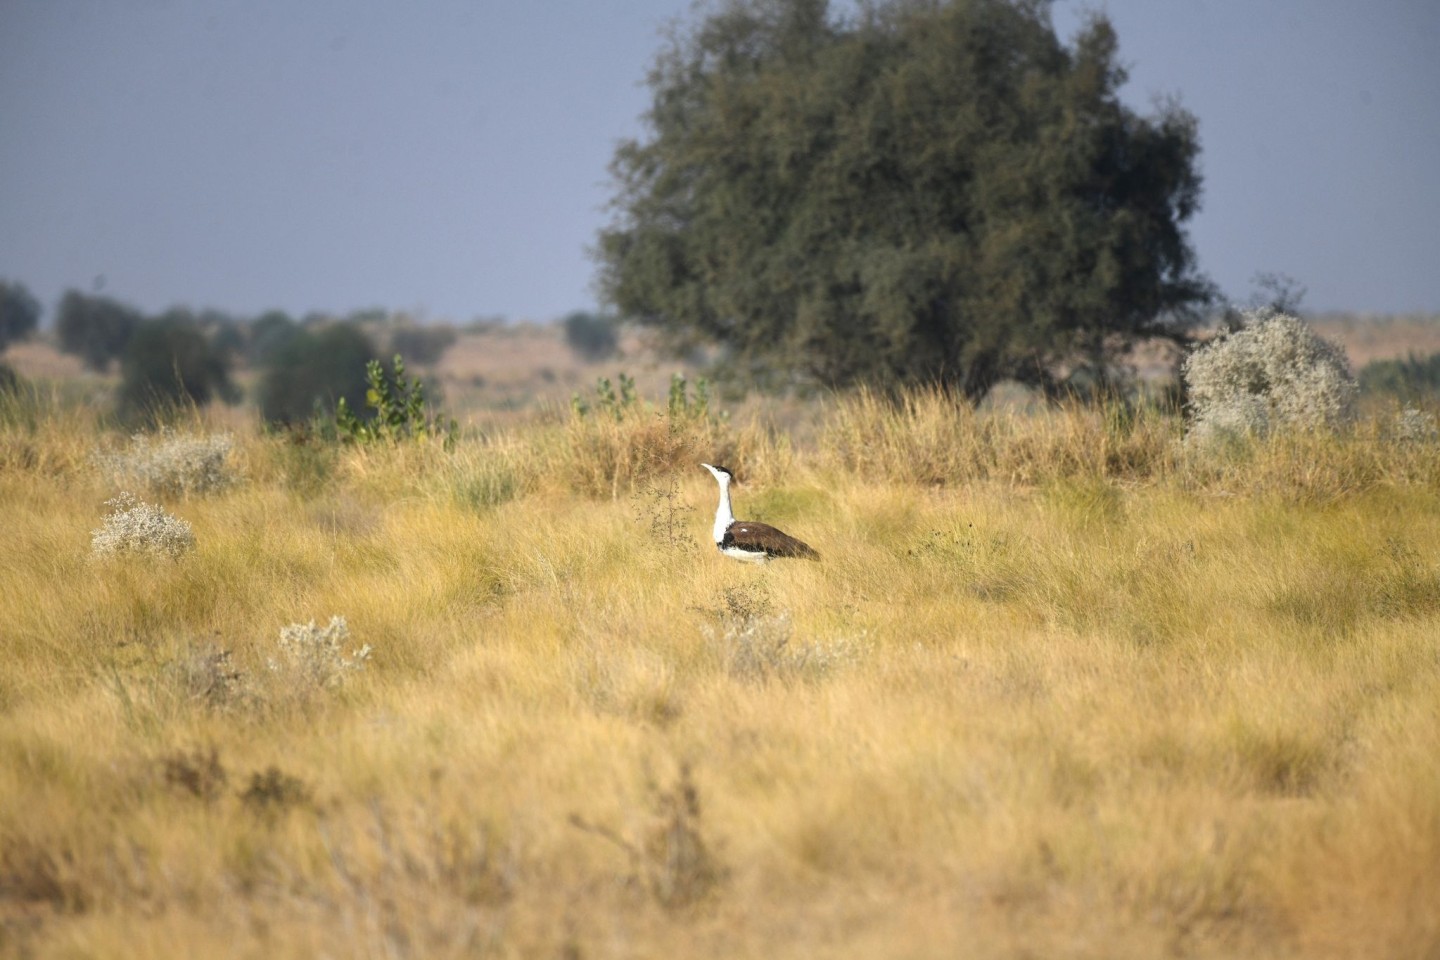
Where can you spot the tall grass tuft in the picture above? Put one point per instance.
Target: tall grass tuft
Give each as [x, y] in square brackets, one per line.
[43, 434]
[619, 443]
[931, 436]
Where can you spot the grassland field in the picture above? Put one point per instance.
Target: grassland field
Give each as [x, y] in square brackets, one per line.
[1060, 686]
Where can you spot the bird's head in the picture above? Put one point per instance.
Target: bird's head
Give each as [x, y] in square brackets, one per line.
[722, 474]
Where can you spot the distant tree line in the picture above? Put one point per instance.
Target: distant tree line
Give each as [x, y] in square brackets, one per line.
[302, 367]
[183, 357]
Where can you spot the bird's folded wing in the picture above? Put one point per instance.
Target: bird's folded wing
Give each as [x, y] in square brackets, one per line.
[752, 535]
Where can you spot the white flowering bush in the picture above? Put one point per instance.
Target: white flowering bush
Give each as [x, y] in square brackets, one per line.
[1274, 373]
[173, 464]
[314, 657]
[136, 527]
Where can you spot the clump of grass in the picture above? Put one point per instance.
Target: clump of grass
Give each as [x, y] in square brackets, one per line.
[1407, 584]
[208, 675]
[672, 860]
[757, 644]
[621, 442]
[44, 435]
[925, 436]
[272, 791]
[1311, 465]
[488, 485]
[395, 865]
[607, 457]
[930, 436]
[313, 658]
[196, 772]
[490, 471]
[34, 872]
[172, 464]
[136, 527]
[300, 458]
[1273, 373]
[683, 871]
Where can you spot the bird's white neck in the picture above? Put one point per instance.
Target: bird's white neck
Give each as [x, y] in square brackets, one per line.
[724, 516]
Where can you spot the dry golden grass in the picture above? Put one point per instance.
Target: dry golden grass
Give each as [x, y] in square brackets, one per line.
[1054, 690]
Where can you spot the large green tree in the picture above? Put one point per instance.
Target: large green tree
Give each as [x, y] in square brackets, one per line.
[928, 189]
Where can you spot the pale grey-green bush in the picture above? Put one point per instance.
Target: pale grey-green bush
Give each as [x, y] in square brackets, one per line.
[1412, 425]
[136, 527]
[762, 647]
[171, 464]
[314, 657]
[1274, 373]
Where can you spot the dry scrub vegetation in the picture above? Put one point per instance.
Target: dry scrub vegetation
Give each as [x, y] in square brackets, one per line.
[1062, 686]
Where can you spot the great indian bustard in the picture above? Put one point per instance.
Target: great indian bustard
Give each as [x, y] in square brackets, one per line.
[748, 539]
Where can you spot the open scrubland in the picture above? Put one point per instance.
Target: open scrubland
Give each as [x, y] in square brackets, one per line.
[1061, 685]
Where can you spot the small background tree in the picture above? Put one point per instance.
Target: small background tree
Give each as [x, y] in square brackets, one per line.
[422, 344]
[593, 336]
[268, 333]
[168, 361]
[312, 370]
[96, 329]
[19, 313]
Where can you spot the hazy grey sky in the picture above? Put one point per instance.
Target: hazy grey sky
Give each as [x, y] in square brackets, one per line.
[451, 157]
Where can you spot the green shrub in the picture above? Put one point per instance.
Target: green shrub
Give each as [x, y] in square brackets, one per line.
[607, 401]
[397, 410]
